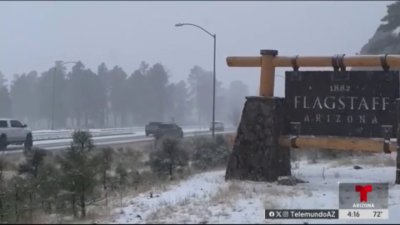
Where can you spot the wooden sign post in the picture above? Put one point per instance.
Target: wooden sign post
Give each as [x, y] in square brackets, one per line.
[342, 110]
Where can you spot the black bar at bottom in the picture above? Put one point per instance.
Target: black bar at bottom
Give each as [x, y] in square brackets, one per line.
[301, 214]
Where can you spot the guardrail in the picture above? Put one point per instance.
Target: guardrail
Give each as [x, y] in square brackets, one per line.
[42, 135]
[229, 135]
[61, 134]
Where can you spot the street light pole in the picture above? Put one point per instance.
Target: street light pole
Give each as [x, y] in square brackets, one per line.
[57, 63]
[214, 36]
[214, 81]
[53, 96]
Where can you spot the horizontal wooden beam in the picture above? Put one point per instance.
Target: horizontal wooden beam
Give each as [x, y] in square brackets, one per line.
[248, 61]
[244, 61]
[337, 143]
[334, 143]
[393, 61]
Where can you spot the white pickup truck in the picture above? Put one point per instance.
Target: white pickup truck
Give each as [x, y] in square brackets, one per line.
[14, 132]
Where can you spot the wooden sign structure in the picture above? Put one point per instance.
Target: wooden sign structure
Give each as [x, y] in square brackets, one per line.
[269, 60]
[342, 103]
[376, 103]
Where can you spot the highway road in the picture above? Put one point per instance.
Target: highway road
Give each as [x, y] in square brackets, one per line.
[111, 140]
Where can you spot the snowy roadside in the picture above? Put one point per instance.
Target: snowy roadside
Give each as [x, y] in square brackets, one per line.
[200, 186]
[208, 198]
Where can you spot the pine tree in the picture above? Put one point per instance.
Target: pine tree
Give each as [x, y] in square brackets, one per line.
[386, 39]
[5, 100]
[33, 160]
[392, 18]
[79, 169]
[168, 157]
[24, 96]
[104, 160]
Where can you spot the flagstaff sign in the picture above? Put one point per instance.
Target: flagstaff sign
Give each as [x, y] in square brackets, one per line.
[342, 103]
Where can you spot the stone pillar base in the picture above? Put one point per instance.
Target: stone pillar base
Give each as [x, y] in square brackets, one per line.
[398, 155]
[398, 142]
[256, 152]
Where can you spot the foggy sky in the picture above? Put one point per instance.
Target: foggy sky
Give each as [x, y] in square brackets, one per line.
[35, 34]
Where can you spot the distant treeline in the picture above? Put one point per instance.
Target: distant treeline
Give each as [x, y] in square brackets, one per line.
[82, 98]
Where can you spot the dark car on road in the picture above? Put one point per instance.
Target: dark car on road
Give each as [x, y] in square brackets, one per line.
[152, 127]
[168, 130]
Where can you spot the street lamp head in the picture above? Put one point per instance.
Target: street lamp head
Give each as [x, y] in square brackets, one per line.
[179, 24]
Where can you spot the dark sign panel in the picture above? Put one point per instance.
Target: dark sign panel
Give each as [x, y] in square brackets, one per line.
[343, 103]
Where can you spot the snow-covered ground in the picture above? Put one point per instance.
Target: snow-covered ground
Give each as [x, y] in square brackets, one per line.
[208, 198]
